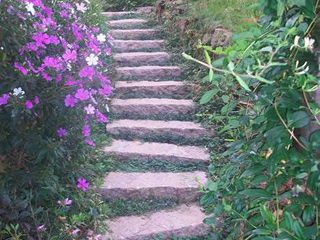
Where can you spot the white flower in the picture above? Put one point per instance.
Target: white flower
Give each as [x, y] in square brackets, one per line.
[295, 43]
[107, 108]
[30, 8]
[308, 43]
[90, 109]
[92, 60]
[81, 7]
[301, 70]
[18, 91]
[69, 66]
[102, 38]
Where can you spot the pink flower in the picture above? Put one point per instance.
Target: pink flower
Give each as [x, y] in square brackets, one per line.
[41, 228]
[29, 104]
[21, 68]
[82, 94]
[87, 72]
[82, 184]
[70, 101]
[90, 142]
[101, 117]
[61, 132]
[4, 99]
[86, 131]
[36, 100]
[90, 110]
[51, 62]
[65, 202]
[75, 231]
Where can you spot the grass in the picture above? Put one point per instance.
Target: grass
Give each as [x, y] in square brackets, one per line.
[227, 13]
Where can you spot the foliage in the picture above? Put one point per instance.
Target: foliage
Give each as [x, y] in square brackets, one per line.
[53, 59]
[266, 184]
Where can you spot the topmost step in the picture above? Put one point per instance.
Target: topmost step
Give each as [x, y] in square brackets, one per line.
[120, 15]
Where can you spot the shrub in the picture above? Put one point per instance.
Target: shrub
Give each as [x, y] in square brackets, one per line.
[53, 87]
[266, 184]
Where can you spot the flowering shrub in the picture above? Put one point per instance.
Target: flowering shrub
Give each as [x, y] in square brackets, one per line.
[53, 88]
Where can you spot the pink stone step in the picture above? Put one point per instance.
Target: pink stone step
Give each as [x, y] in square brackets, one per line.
[134, 34]
[138, 45]
[147, 151]
[127, 23]
[141, 58]
[153, 89]
[184, 221]
[153, 108]
[117, 15]
[156, 72]
[182, 187]
[161, 131]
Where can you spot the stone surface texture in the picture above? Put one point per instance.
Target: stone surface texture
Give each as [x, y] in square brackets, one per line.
[127, 23]
[134, 34]
[142, 58]
[149, 72]
[137, 45]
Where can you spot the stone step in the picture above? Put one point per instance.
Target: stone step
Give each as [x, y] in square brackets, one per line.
[181, 187]
[141, 58]
[184, 221]
[148, 151]
[153, 89]
[147, 72]
[127, 23]
[119, 15]
[134, 34]
[161, 131]
[138, 45]
[153, 108]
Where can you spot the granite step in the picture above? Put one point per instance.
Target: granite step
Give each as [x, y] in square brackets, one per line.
[120, 15]
[179, 187]
[127, 23]
[160, 131]
[138, 45]
[141, 58]
[147, 72]
[134, 34]
[148, 151]
[153, 89]
[153, 108]
[183, 221]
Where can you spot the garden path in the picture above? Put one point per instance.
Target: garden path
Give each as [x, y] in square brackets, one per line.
[153, 122]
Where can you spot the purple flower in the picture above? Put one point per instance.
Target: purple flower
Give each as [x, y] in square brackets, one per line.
[86, 131]
[87, 72]
[29, 104]
[75, 231]
[51, 62]
[20, 68]
[101, 117]
[70, 55]
[61, 132]
[105, 91]
[90, 142]
[82, 94]
[4, 99]
[82, 184]
[65, 202]
[70, 101]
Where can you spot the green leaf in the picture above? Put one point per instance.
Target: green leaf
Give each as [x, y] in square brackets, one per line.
[315, 140]
[256, 193]
[268, 216]
[298, 119]
[208, 96]
[242, 83]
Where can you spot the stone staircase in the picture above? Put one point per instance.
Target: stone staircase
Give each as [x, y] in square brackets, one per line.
[154, 113]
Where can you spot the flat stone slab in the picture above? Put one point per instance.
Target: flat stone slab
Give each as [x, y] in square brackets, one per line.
[184, 221]
[141, 58]
[134, 34]
[149, 72]
[182, 187]
[138, 45]
[127, 23]
[113, 15]
[153, 108]
[153, 89]
[146, 151]
[162, 131]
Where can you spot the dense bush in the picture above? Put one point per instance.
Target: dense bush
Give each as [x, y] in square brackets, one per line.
[53, 63]
[266, 185]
